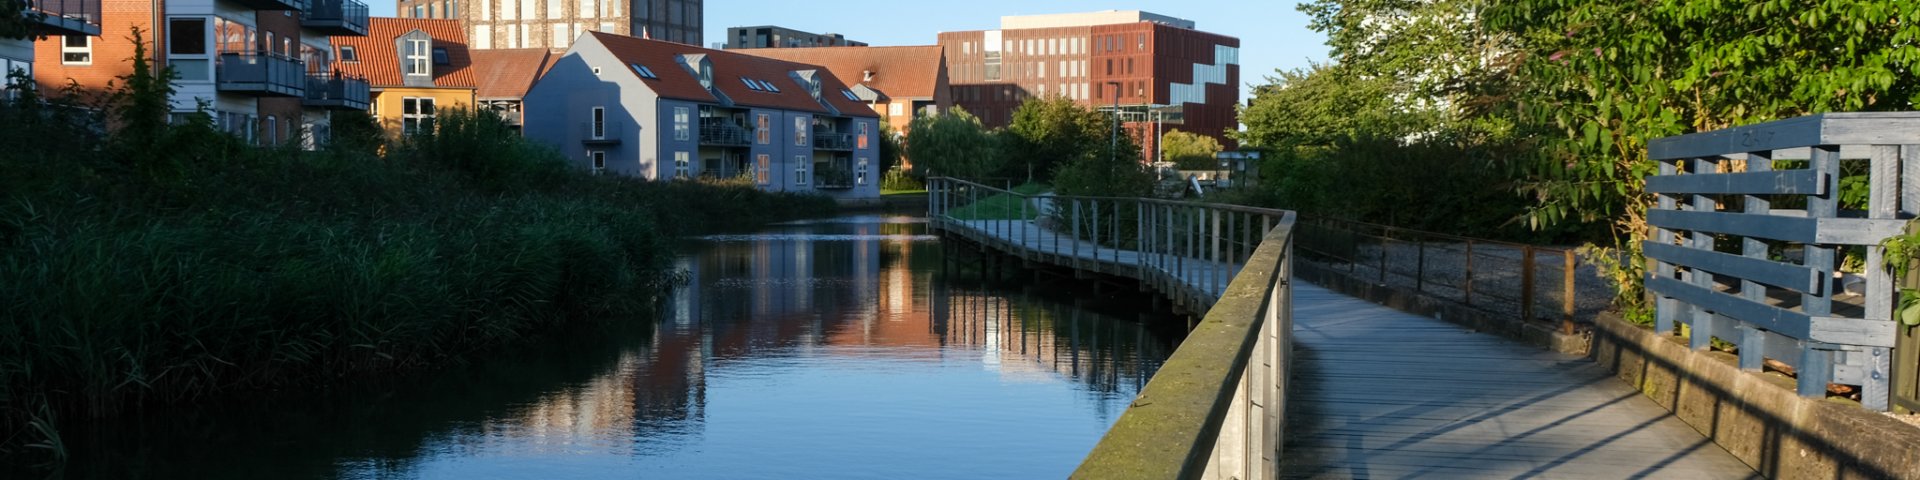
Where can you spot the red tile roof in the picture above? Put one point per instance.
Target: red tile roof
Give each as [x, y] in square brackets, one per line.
[898, 72]
[379, 61]
[728, 68]
[508, 73]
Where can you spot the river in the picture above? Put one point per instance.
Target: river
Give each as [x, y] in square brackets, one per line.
[835, 348]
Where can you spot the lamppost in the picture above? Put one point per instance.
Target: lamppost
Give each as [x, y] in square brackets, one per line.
[1113, 144]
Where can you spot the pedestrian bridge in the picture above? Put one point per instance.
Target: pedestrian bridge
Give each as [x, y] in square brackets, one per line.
[1373, 392]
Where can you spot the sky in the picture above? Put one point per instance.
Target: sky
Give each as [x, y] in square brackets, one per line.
[1273, 35]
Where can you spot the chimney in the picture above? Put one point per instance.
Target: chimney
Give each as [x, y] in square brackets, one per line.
[866, 75]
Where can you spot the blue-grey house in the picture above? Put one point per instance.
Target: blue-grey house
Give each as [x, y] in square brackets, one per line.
[662, 110]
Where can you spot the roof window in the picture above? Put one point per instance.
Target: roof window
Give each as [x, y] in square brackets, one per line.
[769, 86]
[643, 71]
[440, 56]
[348, 55]
[751, 83]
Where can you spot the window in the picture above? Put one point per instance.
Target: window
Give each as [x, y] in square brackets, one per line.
[419, 11]
[860, 169]
[849, 94]
[416, 114]
[513, 34]
[769, 86]
[446, 9]
[272, 132]
[486, 10]
[642, 70]
[993, 66]
[800, 131]
[800, 165]
[862, 142]
[440, 56]
[763, 169]
[417, 53]
[599, 123]
[680, 127]
[681, 164]
[750, 84]
[187, 36]
[76, 50]
[554, 10]
[762, 131]
[599, 161]
[895, 109]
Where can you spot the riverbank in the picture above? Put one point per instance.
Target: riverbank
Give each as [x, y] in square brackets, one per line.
[177, 264]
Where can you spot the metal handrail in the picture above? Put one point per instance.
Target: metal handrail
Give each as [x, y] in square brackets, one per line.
[1217, 405]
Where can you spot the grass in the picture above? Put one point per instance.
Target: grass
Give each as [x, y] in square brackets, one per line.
[181, 265]
[1001, 206]
[918, 191]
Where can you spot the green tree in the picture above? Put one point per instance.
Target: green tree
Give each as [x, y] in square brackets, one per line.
[1598, 79]
[1048, 132]
[889, 147]
[1108, 169]
[952, 143]
[1190, 151]
[1324, 105]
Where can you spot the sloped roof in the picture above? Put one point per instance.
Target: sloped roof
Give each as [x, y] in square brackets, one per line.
[509, 73]
[379, 59]
[902, 72]
[728, 69]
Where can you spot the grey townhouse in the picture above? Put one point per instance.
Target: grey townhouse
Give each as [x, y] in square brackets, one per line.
[659, 110]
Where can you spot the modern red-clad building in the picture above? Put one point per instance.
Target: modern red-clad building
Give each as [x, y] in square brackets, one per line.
[1162, 72]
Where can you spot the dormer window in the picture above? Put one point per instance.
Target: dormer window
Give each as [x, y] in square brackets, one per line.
[347, 54]
[417, 58]
[440, 56]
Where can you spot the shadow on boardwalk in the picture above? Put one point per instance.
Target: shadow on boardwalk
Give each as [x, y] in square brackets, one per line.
[1379, 393]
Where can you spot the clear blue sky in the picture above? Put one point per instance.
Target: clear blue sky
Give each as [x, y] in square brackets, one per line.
[1272, 34]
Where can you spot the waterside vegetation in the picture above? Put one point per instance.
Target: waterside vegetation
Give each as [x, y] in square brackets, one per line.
[156, 261]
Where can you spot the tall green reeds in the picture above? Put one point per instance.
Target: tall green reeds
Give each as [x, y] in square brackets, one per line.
[230, 268]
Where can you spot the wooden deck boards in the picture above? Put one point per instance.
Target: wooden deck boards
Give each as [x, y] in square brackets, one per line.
[1379, 393]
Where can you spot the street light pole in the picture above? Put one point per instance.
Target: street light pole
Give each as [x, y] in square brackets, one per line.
[1113, 147]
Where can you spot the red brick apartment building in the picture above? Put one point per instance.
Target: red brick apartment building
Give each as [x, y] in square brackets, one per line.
[260, 68]
[1143, 61]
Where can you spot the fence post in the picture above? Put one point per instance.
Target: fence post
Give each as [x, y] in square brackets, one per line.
[1075, 245]
[1420, 265]
[1468, 288]
[1383, 257]
[1526, 282]
[1566, 293]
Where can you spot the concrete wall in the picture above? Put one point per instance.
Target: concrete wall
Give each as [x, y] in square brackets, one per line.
[1757, 416]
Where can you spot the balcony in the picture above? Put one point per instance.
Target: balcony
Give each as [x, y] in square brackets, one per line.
[340, 93]
[825, 140]
[274, 4]
[335, 17]
[600, 133]
[64, 17]
[832, 177]
[722, 132]
[263, 74]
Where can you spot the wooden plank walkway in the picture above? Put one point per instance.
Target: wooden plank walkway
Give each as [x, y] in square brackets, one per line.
[1379, 393]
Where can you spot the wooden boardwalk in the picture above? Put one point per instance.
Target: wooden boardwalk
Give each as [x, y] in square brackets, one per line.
[1379, 393]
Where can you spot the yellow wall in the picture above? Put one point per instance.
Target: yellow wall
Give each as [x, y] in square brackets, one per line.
[387, 104]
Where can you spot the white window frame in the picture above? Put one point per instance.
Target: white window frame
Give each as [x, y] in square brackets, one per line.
[860, 171]
[682, 129]
[896, 109]
[800, 127]
[800, 165]
[598, 123]
[597, 160]
[762, 129]
[417, 117]
[419, 55]
[763, 169]
[682, 164]
[66, 49]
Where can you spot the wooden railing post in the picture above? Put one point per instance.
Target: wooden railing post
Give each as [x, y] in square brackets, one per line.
[1467, 287]
[1526, 282]
[1566, 293]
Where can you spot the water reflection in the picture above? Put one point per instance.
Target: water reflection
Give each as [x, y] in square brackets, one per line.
[828, 349]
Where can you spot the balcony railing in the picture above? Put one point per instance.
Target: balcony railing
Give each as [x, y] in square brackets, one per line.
[832, 141]
[600, 133]
[64, 17]
[260, 73]
[274, 4]
[344, 93]
[720, 131]
[335, 17]
[832, 177]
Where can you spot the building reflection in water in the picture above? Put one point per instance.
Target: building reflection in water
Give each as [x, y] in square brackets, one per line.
[870, 292]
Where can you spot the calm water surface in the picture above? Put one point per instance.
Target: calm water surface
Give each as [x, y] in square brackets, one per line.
[838, 348]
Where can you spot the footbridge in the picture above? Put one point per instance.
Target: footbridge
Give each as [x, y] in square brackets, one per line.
[1284, 379]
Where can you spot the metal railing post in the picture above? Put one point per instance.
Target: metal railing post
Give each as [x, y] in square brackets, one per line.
[1420, 266]
[1468, 281]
